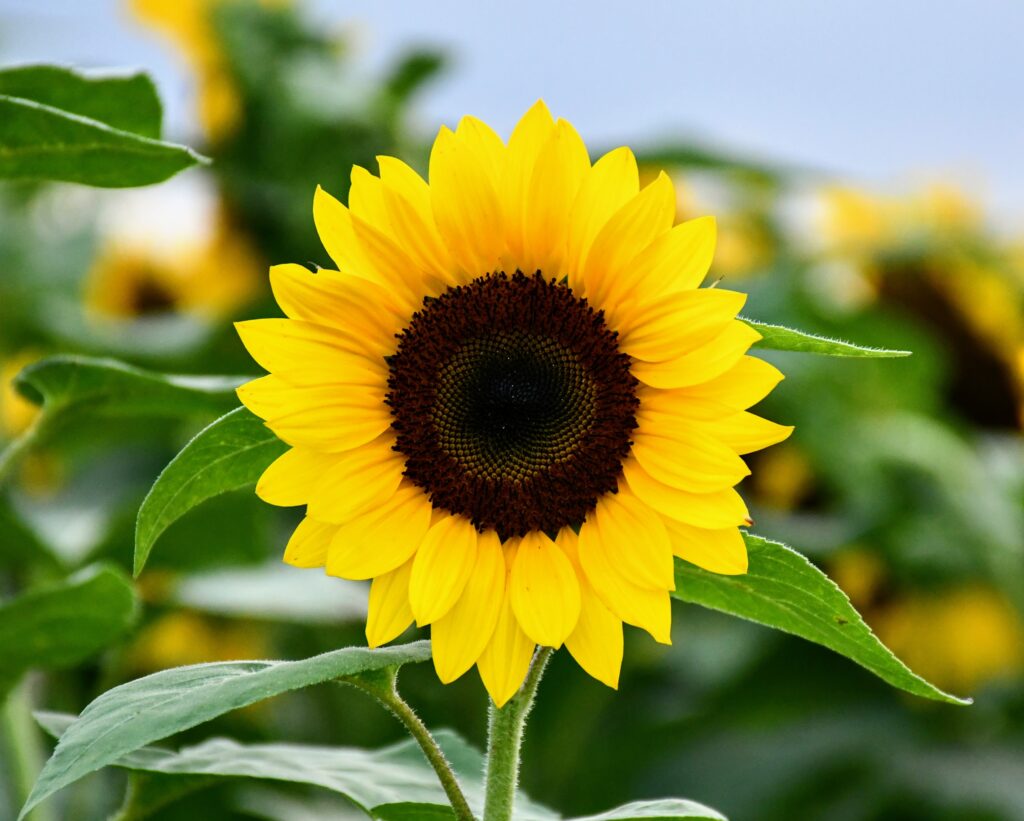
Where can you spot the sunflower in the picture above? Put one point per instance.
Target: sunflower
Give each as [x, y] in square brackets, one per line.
[511, 404]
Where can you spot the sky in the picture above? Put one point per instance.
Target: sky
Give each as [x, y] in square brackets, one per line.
[881, 93]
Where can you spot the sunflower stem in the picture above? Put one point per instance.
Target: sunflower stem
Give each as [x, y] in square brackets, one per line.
[505, 728]
[383, 687]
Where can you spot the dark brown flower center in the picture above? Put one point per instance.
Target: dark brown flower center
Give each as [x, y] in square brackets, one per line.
[512, 403]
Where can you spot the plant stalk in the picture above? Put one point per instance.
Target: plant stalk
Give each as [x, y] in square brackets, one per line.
[504, 741]
[383, 688]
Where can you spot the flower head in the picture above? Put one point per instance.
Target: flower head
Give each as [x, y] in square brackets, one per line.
[512, 404]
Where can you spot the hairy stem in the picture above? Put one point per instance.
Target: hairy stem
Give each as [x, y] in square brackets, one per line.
[504, 740]
[382, 687]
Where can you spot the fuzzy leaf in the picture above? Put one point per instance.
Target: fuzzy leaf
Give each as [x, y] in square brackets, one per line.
[230, 453]
[783, 590]
[780, 338]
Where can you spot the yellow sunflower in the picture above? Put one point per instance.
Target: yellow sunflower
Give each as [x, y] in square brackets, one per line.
[512, 403]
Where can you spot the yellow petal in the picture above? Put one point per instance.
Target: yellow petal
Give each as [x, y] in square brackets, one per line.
[718, 551]
[701, 364]
[389, 613]
[560, 168]
[482, 142]
[506, 660]
[640, 606]
[308, 354]
[596, 642]
[442, 567]
[403, 179]
[721, 509]
[334, 299]
[357, 479]
[366, 199]
[544, 589]
[292, 477]
[327, 417]
[744, 432]
[381, 539]
[678, 260]
[629, 231]
[309, 542]
[528, 137]
[674, 324]
[459, 637]
[634, 539]
[745, 384]
[675, 452]
[611, 183]
[465, 205]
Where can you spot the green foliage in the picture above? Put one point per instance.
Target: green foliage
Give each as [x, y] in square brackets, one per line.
[62, 624]
[779, 338]
[58, 124]
[782, 590]
[134, 714]
[229, 454]
[665, 809]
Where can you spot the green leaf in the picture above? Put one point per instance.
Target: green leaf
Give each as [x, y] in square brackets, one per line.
[781, 589]
[145, 710]
[63, 624]
[126, 101]
[75, 128]
[81, 383]
[411, 811]
[665, 809]
[780, 338]
[229, 454]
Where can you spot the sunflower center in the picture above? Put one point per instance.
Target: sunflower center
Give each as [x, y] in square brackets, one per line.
[512, 403]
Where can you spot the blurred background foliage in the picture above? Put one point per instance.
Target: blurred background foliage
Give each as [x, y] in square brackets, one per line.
[904, 480]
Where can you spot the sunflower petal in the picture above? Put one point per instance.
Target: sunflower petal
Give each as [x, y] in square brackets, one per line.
[745, 384]
[309, 542]
[678, 260]
[721, 509]
[528, 137]
[718, 551]
[389, 614]
[544, 589]
[701, 364]
[635, 539]
[745, 432]
[381, 539]
[442, 567]
[640, 606]
[460, 636]
[596, 642]
[291, 478]
[357, 479]
[506, 660]
[680, 456]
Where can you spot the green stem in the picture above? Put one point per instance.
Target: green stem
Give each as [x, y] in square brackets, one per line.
[383, 687]
[504, 740]
[22, 748]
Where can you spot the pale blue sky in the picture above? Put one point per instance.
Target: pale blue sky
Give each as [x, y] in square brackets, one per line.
[881, 92]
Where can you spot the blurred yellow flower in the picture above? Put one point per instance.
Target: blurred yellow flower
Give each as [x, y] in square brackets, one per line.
[183, 637]
[189, 25]
[859, 573]
[960, 639]
[16, 412]
[784, 477]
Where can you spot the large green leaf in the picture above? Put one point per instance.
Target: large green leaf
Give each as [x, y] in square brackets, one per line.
[126, 101]
[62, 624]
[664, 809]
[780, 338]
[229, 454]
[40, 142]
[128, 717]
[79, 383]
[781, 589]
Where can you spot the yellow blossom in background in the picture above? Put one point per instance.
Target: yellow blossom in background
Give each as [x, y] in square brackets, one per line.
[189, 26]
[960, 639]
[183, 637]
[16, 412]
[784, 477]
[181, 255]
[512, 403]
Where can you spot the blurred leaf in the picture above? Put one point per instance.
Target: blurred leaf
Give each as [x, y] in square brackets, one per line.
[783, 590]
[128, 102]
[39, 142]
[81, 383]
[411, 73]
[19, 546]
[779, 338]
[63, 624]
[134, 714]
[229, 454]
[665, 809]
[409, 811]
